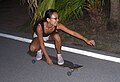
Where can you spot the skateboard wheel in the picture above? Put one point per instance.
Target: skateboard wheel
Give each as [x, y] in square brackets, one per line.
[69, 73]
[33, 61]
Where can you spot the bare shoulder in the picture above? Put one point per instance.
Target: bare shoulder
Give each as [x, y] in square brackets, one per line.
[39, 28]
[60, 25]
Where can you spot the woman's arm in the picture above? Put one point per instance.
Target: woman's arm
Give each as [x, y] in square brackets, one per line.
[41, 43]
[75, 34]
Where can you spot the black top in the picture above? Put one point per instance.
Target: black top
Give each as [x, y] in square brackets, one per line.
[41, 22]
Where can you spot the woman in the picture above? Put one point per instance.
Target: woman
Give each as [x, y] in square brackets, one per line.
[46, 29]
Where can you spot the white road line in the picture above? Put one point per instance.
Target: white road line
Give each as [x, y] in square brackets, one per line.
[73, 50]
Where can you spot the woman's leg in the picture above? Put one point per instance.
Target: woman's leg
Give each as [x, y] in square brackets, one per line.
[34, 45]
[57, 39]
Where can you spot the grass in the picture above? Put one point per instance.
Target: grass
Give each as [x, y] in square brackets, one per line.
[105, 40]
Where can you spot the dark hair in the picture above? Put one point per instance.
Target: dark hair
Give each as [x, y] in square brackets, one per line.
[49, 13]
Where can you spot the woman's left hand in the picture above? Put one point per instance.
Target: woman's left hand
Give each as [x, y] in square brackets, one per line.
[91, 42]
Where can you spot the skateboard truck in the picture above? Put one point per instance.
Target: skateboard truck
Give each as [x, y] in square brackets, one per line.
[33, 61]
[69, 73]
[73, 68]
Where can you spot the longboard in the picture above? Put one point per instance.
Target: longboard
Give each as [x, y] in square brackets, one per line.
[67, 63]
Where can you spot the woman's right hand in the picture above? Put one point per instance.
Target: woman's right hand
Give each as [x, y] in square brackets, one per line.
[49, 61]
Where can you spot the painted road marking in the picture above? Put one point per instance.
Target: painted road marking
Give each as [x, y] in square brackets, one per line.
[64, 48]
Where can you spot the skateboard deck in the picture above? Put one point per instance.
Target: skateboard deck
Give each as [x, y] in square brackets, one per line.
[67, 63]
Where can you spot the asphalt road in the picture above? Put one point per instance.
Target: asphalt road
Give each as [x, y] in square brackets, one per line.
[16, 66]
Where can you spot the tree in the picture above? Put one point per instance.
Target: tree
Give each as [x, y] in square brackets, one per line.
[114, 19]
[66, 8]
[38, 8]
[95, 10]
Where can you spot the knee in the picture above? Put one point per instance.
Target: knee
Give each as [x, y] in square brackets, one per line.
[32, 48]
[57, 38]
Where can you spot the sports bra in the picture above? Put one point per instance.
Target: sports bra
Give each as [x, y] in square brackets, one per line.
[41, 22]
